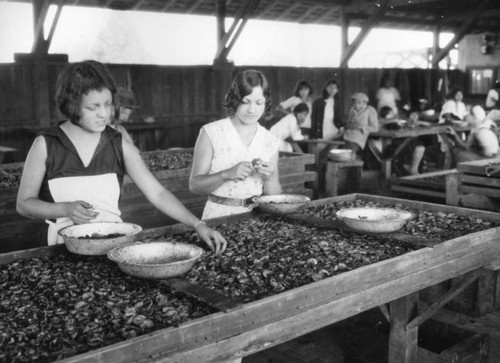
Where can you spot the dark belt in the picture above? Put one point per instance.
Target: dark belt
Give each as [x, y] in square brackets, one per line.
[233, 202]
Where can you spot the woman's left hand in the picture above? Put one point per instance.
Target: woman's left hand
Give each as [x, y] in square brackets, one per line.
[212, 238]
[264, 169]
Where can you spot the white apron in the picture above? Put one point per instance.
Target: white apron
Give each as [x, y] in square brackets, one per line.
[101, 191]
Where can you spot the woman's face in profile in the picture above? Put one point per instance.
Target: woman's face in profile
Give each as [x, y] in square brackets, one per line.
[252, 107]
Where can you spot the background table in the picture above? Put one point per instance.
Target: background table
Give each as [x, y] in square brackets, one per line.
[385, 157]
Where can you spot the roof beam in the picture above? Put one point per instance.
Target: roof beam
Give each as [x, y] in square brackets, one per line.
[239, 22]
[372, 20]
[311, 10]
[460, 33]
[267, 9]
[325, 15]
[288, 11]
[167, 5]
[53, 26]
[40, 14]
[138, 4]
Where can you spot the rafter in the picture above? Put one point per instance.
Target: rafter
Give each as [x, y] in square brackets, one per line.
[194, 6]
[288, 11]
[311, 10]
[267, 9]
[372, 20]
[138, 4]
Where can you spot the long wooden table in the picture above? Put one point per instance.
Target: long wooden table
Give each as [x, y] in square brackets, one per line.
[242, 329]
[387, 137]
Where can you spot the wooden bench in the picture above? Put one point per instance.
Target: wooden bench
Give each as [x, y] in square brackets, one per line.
[343, 177]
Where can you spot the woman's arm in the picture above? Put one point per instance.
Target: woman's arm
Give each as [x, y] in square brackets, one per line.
[372, 120]
[200, 182]
[272, 185]
[164, 200]
[29, 203]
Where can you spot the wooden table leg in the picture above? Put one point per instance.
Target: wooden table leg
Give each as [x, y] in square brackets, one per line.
[386, 162]
[403, 341]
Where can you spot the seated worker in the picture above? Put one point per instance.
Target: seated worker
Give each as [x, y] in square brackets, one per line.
[362, 120]
[408, 163]
[453, 109]
[288, 128]
[482, 142]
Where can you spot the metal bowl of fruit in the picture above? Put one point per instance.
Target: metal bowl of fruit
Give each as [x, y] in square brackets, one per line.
[374, 220]
[155, 260]
[282, 203]
[98, 238]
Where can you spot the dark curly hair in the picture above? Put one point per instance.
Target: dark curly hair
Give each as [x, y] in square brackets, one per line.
[242, 86]
[77, 80]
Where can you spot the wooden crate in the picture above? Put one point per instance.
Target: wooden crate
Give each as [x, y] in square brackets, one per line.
[432, 184]
[21, 233]
[343, 177]
[473, 188]
[251, 327]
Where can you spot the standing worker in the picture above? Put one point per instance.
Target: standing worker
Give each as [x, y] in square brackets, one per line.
[74, 170]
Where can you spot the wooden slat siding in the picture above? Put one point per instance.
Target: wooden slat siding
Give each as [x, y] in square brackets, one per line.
[159, 90]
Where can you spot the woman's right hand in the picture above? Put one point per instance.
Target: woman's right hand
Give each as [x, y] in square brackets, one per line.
[240, 171]
[80, 212]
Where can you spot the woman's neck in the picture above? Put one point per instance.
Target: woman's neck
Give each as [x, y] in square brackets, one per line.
[245, 131]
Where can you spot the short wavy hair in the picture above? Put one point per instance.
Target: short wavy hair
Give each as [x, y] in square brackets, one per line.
[77, 80]
[300, 85]
[242, 86]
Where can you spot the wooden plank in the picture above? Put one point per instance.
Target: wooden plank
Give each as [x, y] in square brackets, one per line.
[418, 191]
[429, 207]
[477, 167]
[212, 298]
[488, 192]
[480, 180]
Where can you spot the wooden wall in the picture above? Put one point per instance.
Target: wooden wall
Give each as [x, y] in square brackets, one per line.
[182, 98]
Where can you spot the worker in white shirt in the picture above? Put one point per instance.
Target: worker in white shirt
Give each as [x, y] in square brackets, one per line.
[288, 128]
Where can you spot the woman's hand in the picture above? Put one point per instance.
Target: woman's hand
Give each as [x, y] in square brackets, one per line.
[212, 237]
[240, 171]
[80, 212]
[264, 169]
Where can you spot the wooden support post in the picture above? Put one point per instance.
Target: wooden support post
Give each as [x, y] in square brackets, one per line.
[370, 23]
[403, 341]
